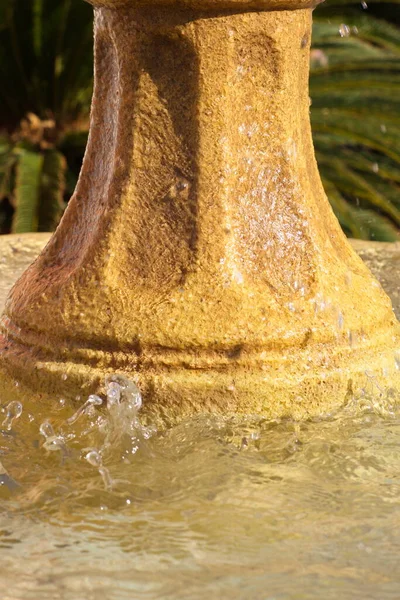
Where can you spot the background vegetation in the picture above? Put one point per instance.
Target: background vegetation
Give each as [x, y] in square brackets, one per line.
[45, 89]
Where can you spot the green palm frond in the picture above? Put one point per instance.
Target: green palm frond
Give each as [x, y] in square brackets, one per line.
[27, 191]
[33, 179]
[51, 191]
[355, 91]
[348, 5]
[357, 222]
[7, 162]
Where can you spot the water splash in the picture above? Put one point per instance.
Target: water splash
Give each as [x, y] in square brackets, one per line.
[120, 434]
[53, 442]
[86, 408]
[94, 458]
[120, 389]
[13, 412]
[124, 433]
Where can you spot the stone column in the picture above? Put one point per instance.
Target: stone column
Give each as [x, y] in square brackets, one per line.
[199, 254]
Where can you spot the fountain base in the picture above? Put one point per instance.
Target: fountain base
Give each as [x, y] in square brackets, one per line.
[304, 382]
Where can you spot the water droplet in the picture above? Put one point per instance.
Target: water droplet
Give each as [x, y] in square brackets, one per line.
[46, 429]
[304, 41]
[93, 457]
[55, 443]
[181, 187]
[52, 442]
[344, 30]
[13, 412]
[148, 432]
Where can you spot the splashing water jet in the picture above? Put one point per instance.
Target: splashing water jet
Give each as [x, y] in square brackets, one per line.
[53, 442]
[198, 253]
[92, 401]
[94, 458]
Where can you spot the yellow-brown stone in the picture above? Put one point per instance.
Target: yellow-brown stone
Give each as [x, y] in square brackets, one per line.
[199, 254]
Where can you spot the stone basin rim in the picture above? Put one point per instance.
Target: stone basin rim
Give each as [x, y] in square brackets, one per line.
[210, 5]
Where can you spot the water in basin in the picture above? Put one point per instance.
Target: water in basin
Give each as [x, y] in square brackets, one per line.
[94, 505]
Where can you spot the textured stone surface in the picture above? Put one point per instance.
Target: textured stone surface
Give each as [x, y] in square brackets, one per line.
[199, 253]
[19, 251]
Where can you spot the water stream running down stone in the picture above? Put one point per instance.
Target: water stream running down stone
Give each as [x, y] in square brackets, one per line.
[97, 505]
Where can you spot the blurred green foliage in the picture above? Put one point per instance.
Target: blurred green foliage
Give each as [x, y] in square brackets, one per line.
[355, 92]
[46, 60]
[32, 176]
[46, 76]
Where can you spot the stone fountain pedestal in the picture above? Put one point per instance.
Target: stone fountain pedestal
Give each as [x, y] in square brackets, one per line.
[199, 254]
